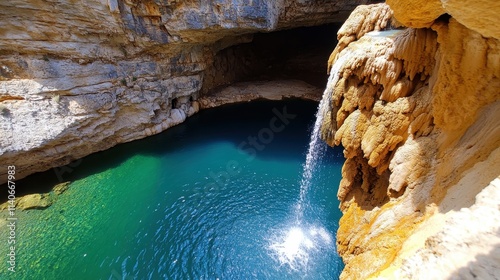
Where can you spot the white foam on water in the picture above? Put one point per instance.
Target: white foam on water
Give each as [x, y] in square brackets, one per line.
[296, 246]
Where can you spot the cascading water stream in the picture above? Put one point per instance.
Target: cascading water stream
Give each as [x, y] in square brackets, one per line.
[302, 238]
[317, 147]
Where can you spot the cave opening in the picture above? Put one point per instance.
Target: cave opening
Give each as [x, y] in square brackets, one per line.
[298, 54]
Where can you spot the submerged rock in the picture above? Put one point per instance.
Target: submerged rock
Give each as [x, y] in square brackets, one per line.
[60, 188]
[38, 200]
[34, 201]
[31, 201]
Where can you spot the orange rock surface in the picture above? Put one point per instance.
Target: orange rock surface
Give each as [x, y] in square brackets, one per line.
[417, 110]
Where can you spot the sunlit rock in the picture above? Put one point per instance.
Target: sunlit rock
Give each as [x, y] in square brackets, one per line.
[417, 112]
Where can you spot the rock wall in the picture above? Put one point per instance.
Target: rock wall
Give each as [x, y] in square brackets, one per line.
[77, 78]
[417, 110]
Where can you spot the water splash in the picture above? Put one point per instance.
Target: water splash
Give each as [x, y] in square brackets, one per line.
[295, 245]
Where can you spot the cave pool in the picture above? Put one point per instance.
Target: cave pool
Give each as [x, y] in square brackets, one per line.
[198, 201]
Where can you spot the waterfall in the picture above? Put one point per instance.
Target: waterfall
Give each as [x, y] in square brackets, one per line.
[296, 242]
[317, 147]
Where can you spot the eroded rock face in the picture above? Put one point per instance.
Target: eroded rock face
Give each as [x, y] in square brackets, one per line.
[76, 78]
[418, 113]
[479, 16]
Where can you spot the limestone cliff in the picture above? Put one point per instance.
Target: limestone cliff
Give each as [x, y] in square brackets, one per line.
[417, 110]
[80, 77]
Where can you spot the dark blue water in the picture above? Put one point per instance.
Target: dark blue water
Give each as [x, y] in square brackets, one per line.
[213, 198]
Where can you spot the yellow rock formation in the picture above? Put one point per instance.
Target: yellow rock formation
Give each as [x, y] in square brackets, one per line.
[417, 110]
[478, 15]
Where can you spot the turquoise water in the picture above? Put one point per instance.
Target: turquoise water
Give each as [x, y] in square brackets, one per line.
[213, 198]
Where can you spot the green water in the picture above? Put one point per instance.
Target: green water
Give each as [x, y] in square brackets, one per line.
[198, 201]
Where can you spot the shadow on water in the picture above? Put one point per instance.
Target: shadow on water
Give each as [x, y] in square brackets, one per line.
[274, 137]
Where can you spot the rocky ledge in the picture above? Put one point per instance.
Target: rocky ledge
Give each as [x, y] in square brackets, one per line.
[271, 90]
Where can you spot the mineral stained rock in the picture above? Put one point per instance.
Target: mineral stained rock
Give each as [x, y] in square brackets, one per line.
[418, 113]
